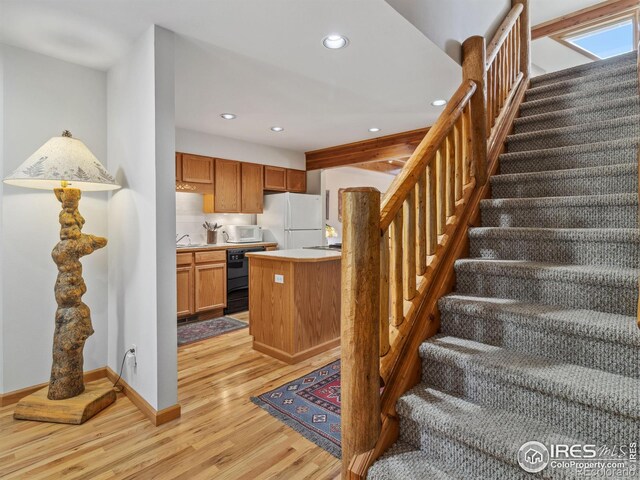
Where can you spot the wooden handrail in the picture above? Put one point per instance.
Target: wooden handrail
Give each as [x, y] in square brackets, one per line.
[502, 33]
[406, 180]
[406, 250]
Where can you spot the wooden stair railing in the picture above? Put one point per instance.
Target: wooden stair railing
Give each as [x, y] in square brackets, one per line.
[398, 251]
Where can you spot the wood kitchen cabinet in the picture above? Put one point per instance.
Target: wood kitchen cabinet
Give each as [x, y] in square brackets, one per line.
[227, 185]
[296, 181]
[184, 283]
[194, 173]
[275, 178]
[210, 280]
[252, 188]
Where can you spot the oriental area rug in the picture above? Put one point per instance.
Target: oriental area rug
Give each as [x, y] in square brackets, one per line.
[196, 331]
[310, 405]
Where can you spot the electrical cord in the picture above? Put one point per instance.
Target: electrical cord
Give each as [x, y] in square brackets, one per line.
[115, 387]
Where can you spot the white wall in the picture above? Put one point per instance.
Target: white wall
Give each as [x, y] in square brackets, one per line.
[43, 96]
[449, 23]
[345, 177]
[142, 299]
[199, 143]
[189, 215]
[2, 334]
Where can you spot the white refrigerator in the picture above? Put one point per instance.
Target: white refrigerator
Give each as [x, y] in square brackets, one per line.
[294, 220]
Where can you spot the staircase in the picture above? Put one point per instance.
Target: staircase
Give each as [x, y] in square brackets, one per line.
[539, 341]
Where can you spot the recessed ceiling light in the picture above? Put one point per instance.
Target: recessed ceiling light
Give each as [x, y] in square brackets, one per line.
[277, 129]
[374, 129]
[438, 103]
[335, 41]
[228, 116]
[390, 161]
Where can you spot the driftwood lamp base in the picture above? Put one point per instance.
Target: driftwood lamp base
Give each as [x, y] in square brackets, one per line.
[75, 410]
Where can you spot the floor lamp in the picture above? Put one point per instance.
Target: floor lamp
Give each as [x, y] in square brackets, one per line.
[65, 165]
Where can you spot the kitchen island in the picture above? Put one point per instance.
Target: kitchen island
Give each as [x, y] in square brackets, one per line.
[294, 302]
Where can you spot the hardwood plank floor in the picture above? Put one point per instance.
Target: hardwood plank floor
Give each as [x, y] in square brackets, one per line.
[220, 435]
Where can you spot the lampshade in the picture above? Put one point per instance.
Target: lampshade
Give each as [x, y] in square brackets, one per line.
[63, 161]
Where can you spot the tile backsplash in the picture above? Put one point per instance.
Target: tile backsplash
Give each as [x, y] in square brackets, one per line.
[189, 217]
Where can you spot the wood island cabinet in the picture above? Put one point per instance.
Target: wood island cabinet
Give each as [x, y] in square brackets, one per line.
[252, 188]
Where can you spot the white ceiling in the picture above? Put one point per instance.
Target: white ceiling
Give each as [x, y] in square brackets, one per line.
[262, 60]
[545, 10]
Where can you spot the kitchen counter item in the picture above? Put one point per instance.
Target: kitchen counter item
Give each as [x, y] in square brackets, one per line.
[300, 255]
[222, 246]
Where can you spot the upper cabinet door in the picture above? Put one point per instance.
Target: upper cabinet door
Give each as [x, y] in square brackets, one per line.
[252, 188]
[296, 181]
[178, 167]
[275, 178]
[197, 169]
[227, 186]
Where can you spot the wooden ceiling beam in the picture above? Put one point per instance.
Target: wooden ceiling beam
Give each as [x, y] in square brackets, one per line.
[589, 14]
[389, 147]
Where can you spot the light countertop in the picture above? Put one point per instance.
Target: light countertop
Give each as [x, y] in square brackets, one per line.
[298, 255]
[222, 246]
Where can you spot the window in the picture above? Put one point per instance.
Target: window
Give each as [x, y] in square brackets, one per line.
[604, 39]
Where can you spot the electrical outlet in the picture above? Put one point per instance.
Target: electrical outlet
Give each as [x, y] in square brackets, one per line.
[279, 278]
[132, 358]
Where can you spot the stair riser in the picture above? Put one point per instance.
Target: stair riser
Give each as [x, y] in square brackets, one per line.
[588, 71]
[617, 216]
[561, 291]
[583, 421]
[581, 85]
[468, 462]
[566, 187]
[568, 120]
[555, 104]
[525, 338]
[567, 139]
[615, 254]
[581, 160]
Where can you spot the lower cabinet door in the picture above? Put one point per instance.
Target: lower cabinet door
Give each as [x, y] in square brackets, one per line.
[211, 286]
[184, 282]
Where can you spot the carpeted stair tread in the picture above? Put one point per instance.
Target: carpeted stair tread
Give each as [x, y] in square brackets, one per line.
[612, 129]
[601, 180]
[603, 326]
[588, 69]
[572, 84]
[614, 108]
[619, 210]
[599, 340]
[602, 288]
[405, 462]
[618, 247]
[610, 152]
[616, 394]
[489, 434]
[617, 89]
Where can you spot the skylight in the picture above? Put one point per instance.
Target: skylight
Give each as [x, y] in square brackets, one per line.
[605, 41]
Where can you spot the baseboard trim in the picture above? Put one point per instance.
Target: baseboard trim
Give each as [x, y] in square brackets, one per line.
[157, 417]
[15, 396]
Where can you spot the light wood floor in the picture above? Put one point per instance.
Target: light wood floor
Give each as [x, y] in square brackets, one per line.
[221, 434]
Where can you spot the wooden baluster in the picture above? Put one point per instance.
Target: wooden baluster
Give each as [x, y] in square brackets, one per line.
[441, 189]
[518, 46]
[432, 210]
[473, 68]
[384, 294]
[450, 175]
[525, 38]
[459, 150]
[421, 224]
[409, 246]
[360, 373]
[397, 301]
[489, 93]
[466, 130]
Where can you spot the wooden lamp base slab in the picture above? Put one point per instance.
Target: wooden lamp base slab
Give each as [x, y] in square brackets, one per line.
[75, 410]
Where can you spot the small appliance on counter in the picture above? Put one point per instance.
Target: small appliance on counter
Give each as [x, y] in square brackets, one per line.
[241, 233]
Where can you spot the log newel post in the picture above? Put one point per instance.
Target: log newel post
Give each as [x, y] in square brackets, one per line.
[525, 37]
[473, 68]
[360, 312]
